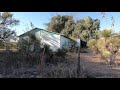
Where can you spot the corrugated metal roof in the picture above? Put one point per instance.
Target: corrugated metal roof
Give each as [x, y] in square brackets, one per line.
[38, 29]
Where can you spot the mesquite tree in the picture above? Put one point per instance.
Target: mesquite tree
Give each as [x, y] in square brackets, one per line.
[111, 44]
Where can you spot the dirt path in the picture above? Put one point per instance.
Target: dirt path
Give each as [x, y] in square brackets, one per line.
[97, 68]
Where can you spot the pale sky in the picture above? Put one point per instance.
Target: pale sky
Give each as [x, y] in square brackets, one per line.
[40, 18]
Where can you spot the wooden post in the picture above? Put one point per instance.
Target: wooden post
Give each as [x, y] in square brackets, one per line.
[78, 64]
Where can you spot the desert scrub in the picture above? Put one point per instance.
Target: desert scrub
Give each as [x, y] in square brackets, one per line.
[62, 70]
[61, 53]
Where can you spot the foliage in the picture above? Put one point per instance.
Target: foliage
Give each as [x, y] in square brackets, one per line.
[114, 44]
[61, 52]
[12, 45]
[88, 22]
[61, 24]
[24, 45]
[26, 42]
[69, 27]
[107, 47]
[48, 51]
[91, 43]
[87, 28]
[14, 65]
[1, 45]
[106, 33]
[65, 24]
[79, 28]
[6, 22]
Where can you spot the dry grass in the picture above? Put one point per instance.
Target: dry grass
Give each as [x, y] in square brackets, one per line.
[15, 65]
[97, 68]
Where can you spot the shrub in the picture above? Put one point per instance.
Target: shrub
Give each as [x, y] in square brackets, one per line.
[61, 52]
[91, 43]
[1, 45]
[56, 57]
[47, 49]
[13, 44]
[23, 45]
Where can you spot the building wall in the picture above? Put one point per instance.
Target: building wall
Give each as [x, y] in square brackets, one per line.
[65, 42]
[51, 39]
[55, 41]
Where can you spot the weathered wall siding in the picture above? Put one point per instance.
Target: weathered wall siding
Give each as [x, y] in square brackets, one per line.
[49, 38]
[64, 42]
[67, 42]
[54, 40]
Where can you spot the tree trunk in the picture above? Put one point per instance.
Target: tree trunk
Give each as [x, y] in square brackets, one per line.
[101, 55]
[112, 59]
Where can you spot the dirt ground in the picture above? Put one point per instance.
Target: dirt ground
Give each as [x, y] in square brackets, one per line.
[97, 68]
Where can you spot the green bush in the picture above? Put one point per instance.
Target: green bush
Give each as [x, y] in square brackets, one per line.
[23, 46]
[61, 52]
[1, 45]
[56, 57]
[47, 49]
[91, 43]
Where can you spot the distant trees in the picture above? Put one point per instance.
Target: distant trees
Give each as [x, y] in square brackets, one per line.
[80, 30]
[89, 30]
[66, 25]
[69, 27]
[6, 22]
[61, 24]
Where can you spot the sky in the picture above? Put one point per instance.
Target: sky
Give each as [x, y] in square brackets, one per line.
[39, 19]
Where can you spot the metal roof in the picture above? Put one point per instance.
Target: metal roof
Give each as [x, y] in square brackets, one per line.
[38, 29]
